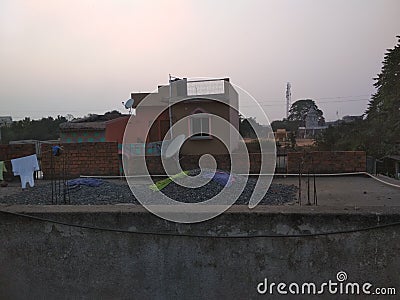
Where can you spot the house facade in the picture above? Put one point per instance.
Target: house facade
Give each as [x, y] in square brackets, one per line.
[202, 104]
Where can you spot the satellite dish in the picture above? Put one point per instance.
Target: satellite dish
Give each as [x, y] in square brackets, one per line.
[174, 146]
[128, 104]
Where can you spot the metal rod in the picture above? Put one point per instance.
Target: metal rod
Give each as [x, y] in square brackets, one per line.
[63, 180]
[52, 177]
[315, 192]
[299, 183]
[66, 175]
[315, 185]
[308, 181]
[308, 187]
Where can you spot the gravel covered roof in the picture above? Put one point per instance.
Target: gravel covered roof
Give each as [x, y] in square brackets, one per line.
[114, 192]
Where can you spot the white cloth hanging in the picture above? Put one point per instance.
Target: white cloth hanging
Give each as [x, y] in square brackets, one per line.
[24, 167]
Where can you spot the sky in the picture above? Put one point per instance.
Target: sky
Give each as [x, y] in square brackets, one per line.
[87, 56]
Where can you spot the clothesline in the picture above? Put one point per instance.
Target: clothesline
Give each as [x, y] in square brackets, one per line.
[9, 160]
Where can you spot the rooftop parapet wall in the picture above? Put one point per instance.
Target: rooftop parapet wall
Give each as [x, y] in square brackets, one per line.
[41, 260]
[330, 162]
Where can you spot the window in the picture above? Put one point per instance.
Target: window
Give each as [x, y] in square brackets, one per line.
[200, 125]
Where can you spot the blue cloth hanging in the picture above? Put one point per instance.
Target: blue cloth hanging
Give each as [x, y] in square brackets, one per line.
[56, 150]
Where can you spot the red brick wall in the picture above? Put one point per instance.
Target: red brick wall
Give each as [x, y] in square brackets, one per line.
[327, 162]
[8, 152]
[102, 159]
[82, 159]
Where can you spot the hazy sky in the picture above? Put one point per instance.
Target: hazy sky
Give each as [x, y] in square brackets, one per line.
[86, 56]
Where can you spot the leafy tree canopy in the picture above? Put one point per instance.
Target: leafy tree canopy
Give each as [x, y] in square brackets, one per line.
[291, 126]
[299, 109]
[379, 133]
[27, 129]
[246, 126]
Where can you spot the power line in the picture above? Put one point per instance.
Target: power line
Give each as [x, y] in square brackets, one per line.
[319, 102]
[341, 97]
[159, 233]
[350, 100]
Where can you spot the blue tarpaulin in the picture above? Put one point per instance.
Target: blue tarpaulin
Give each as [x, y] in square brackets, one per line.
[220, 177]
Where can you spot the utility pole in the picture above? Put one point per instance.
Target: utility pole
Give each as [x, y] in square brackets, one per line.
[288, 98]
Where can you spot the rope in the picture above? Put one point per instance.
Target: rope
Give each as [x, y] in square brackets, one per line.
[26, 155]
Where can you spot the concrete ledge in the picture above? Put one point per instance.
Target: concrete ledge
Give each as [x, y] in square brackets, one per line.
[236, 209]
[51, 261]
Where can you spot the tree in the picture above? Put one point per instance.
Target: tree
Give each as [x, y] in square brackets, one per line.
[69, 117]
[291, 126]
[247, 125]
[383, 113]
[27, 129]
[298, 111]
[379, 133]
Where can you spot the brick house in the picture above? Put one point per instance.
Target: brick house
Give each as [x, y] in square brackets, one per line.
[109, 127]
[193, 99]
[148, 126]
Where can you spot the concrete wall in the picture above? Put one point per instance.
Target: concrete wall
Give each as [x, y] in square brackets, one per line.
[327, 161]
[40, 260]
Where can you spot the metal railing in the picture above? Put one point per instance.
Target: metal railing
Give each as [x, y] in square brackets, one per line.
[205, 87]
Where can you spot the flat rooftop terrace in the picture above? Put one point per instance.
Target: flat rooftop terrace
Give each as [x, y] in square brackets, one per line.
[332, 191]
[353, 190]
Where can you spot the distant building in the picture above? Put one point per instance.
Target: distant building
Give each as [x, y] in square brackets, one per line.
[345, 120]
[95, 128]
[5, 121]
[350, 119]
[312, 119]
[281, 135]
[312, 127]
